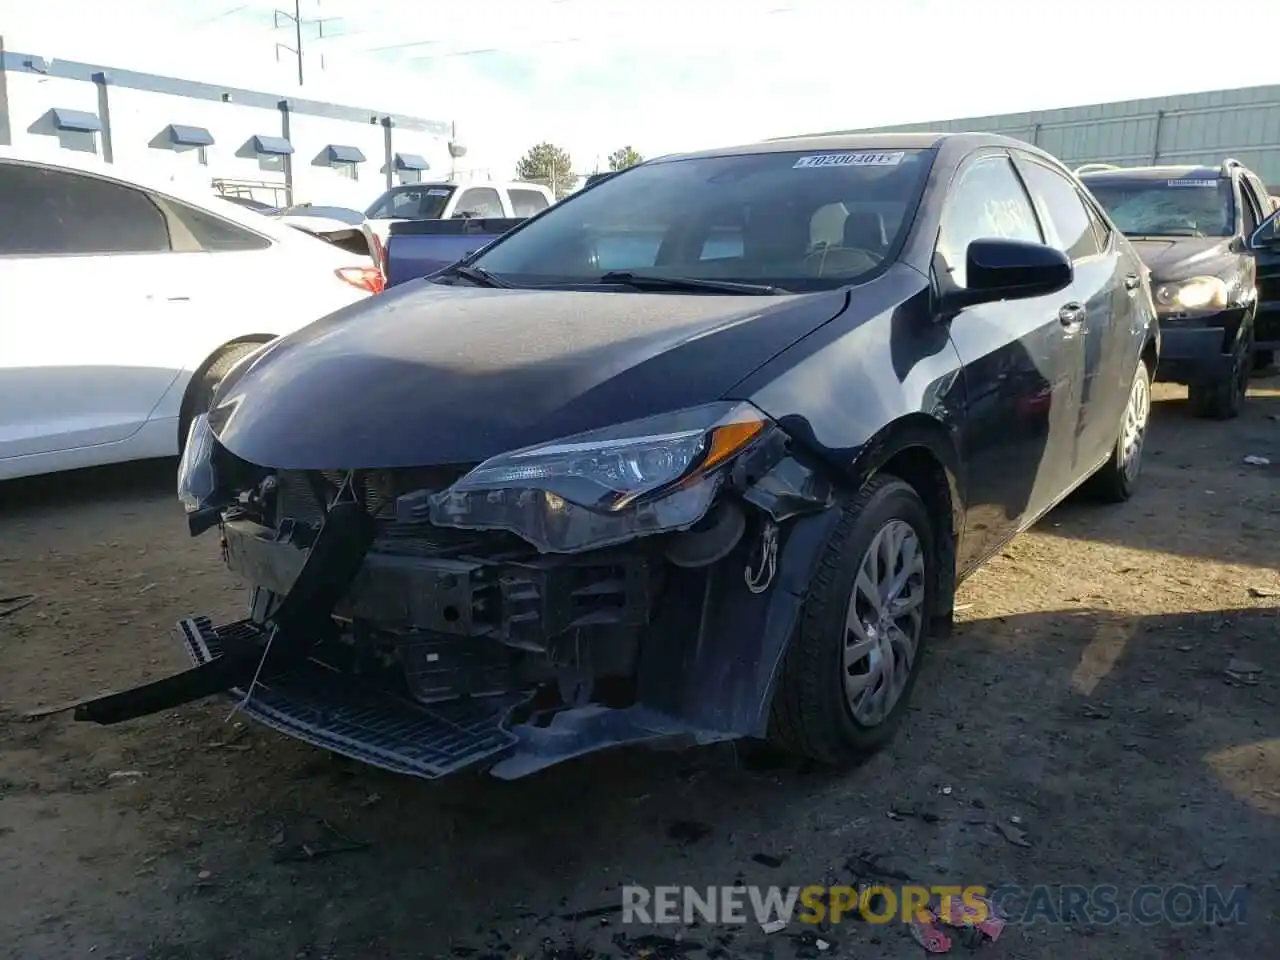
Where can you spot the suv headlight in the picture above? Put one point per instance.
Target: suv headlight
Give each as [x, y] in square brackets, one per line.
[603, 487]
[1197, 293]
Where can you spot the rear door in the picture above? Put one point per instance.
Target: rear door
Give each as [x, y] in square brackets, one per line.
[90, 343]
[1096, 352]
[1020, 418]
[1267, 279]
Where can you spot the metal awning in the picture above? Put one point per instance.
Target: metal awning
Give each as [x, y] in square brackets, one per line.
[79, 120]
[272, 146]
[411, 161]
[181, 135]
[341, 153]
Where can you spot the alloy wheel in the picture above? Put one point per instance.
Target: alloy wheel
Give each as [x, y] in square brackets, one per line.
[1134, 433]
[884, 622]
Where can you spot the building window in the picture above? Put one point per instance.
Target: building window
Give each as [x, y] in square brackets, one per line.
[347, 171]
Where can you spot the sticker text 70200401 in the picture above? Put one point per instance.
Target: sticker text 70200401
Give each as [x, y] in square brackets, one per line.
[850, 160]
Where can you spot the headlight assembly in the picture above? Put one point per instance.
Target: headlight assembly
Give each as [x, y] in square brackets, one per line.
[197, 480]
[604, 487]
[1197, 293]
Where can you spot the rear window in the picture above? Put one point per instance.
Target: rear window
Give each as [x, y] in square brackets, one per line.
[1190, 207]
[421, 201]
[796, 220]
[525, 203]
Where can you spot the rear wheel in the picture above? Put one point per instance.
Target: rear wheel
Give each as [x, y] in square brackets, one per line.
[851, 666]
[1118, 478]
[204, 384]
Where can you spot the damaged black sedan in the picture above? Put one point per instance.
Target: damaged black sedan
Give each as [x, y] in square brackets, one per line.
[698, 454]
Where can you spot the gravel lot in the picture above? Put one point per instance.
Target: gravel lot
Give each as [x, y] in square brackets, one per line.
[1083, 693]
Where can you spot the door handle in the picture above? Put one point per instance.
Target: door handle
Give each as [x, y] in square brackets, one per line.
[1132, 282]
[1071, 316]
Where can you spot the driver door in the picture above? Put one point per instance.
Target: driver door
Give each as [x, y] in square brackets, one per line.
[1020, 418]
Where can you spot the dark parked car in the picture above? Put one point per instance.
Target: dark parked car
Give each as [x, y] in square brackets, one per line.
[722, 485]
[1219, 302]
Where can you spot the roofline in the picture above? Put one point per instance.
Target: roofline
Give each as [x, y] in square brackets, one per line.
[16, 62]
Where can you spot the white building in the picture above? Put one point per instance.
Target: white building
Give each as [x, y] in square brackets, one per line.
[274, 147]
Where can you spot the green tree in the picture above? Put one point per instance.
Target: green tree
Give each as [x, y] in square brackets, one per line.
[624, 157]
[549, 165]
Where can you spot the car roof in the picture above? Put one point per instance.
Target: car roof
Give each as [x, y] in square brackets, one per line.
[860, 141]
[1159, 172]
[179, 186]
[505, 184]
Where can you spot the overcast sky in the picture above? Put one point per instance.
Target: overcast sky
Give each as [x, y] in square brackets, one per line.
[667, 75]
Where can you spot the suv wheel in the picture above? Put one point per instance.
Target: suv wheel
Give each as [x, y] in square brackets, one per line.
[1224, 399]
[850, 668]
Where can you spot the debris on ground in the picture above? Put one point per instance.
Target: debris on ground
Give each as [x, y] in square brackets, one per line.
[688, 831]
[773, 926]
[654, 947]
[1013, 833]
[974, 918]
[333, 843]
[1256, 461]
[125, 774]
[767, 860]
[1243, 671]
[11, 605]
[592, 913]
[1263, 593]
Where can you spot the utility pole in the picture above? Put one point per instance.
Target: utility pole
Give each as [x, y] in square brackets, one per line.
[296, 19]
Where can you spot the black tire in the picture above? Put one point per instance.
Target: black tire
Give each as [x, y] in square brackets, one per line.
[810, 714]
[1224, 399]
[204, 384]
[1115, 482]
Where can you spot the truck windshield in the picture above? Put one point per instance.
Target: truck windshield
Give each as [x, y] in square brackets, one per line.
[419, 201]
[1193, 207]
[798, 221]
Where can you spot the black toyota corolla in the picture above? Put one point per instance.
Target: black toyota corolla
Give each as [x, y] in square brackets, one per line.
[698, 454]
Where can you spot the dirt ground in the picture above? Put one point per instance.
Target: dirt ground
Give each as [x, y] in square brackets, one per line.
[1083, 694]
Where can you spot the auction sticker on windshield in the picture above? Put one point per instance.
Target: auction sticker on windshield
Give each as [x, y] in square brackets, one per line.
[1192, 183]
[850, 160]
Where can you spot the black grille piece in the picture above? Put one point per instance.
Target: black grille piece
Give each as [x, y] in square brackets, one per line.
[441, 667]
[338, 712]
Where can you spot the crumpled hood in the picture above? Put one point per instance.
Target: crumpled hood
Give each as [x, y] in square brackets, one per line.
[427, 374]
[1182, 257]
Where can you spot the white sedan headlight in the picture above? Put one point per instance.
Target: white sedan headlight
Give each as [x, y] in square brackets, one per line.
[1197, 293]
[602, 487]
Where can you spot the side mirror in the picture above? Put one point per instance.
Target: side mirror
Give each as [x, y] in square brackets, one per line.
[997, 269]
[1267, 236]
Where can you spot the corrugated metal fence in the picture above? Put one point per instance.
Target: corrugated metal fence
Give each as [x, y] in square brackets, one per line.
[1188, 128]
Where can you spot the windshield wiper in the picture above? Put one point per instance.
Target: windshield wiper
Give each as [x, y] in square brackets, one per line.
[645, 281]
[477, 275]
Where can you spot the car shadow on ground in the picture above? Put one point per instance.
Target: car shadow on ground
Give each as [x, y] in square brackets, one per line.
[1062, 747]
[92, 486]
[1195, 470]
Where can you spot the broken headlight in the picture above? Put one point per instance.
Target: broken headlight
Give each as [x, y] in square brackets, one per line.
[603, 487]
[197, 480]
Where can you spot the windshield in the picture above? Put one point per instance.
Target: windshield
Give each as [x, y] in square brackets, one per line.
[796, 221]
[1196, 207]
[420, 201]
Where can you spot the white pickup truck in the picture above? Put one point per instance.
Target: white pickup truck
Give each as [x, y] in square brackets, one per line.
[446, 201]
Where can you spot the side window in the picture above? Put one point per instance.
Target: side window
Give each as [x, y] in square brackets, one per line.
[1101, 229]
[986, 201]
[480, 202]
[1061, 210]
[525, 203]
[57, 212]
[213, 234]
[1250, 208]
[722, 243]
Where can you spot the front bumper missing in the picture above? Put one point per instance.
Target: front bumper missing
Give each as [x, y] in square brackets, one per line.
[338, 712]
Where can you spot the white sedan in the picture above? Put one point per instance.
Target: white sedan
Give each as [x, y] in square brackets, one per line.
[124, 299]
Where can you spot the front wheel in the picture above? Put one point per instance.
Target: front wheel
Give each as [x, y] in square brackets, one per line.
[850, 668]
[1224, 399]
[204, 384]
[1118, 478]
